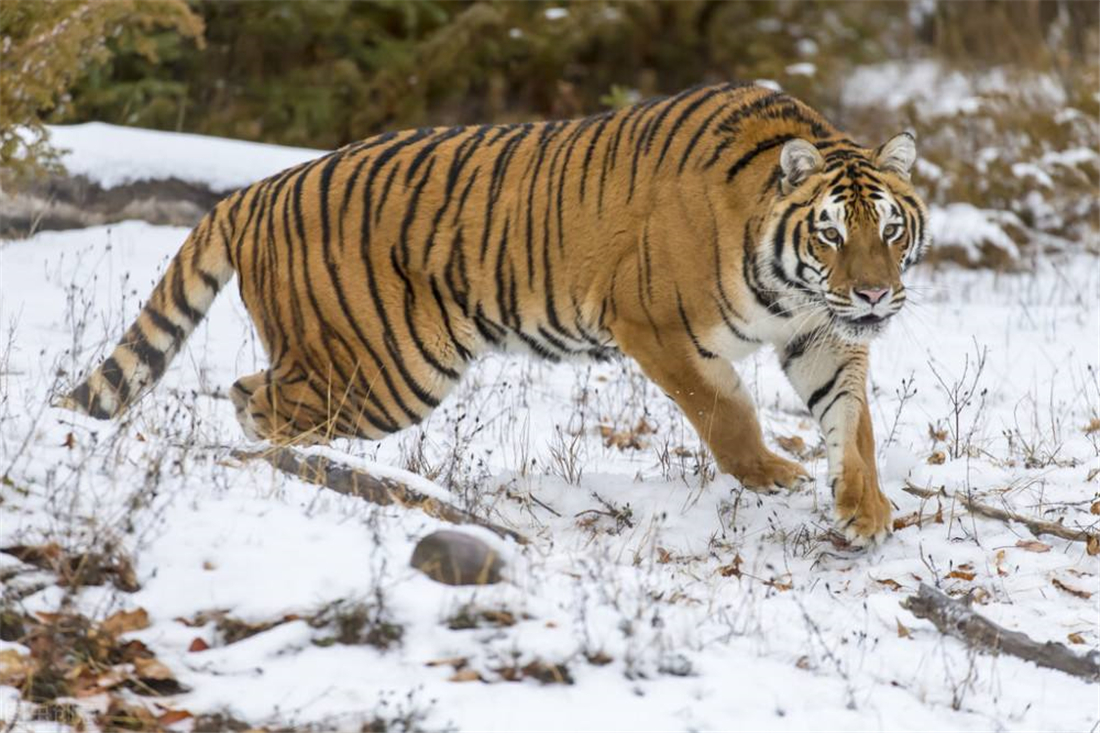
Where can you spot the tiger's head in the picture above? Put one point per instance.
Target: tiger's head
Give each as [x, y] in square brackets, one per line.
[845, 225]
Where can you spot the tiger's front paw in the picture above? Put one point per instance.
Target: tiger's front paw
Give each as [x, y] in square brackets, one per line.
[862, 511]
[766, 472]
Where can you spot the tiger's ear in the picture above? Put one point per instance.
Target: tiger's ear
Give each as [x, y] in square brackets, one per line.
[798, 161]
[898, 154]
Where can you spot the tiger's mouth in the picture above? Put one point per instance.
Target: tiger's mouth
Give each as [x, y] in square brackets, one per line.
[859, 329]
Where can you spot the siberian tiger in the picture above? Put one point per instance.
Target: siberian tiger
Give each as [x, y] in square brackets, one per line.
[685, 232]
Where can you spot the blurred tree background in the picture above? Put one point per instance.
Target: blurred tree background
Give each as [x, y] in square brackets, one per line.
[323, 73]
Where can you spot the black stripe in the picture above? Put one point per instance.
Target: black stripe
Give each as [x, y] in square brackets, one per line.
[820, 392]
[179, 297]
[695, 139]
[747, 158]
[839, 395]
[684, 115]
[148, 354]
[703, 352]
[114, 376]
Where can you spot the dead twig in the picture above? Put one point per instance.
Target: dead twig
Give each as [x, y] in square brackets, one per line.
[344, 479]
[1036, 525]
[955, 618]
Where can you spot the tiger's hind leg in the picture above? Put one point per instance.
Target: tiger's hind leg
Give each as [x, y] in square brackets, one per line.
[283, 405]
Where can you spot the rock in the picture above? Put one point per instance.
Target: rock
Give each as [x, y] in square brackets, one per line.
[456, 558]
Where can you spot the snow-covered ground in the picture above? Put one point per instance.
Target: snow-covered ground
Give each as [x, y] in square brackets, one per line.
[668, 597]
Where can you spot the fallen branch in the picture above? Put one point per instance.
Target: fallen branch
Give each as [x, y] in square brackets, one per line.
[383, 490]
[1036, 525]
[955, 618]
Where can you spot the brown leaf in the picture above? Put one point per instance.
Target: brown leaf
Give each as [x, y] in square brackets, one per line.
[1071, 590]
[903, 633]
[937, 435]
[122, 622]
[938, 518]
[465, 675]
[888, 582]
[70, 441]
[1033, 545]
[45, 556]
[780, 584]
[961, 575]
[599, 659]
[793, 444]
[803, 662]
[151, 668]
[1093, 426]
[168, 717]
[663, 556]
[1095, 508]
[1093, 546]
[1076, 638]
[1000, 559]
[907, 521]
[198, 644]
[733, 568]
[937, 458]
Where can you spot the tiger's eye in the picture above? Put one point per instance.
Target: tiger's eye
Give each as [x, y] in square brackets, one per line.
[832, 235]
[890, 231]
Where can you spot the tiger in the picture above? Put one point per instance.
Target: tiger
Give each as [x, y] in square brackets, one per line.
[684, 232]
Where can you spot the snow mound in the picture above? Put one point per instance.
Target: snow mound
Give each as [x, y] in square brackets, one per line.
[112, 155]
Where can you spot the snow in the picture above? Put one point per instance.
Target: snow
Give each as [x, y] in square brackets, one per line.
[806, 637]
[111, 155]
[942, 92]
[802, 69]
[967, 226]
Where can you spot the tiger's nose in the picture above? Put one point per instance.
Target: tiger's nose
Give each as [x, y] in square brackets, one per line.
[871, 295]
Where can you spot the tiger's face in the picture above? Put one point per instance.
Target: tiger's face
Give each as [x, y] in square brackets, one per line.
[846, 226]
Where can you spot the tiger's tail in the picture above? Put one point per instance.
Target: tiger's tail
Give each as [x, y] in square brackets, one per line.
[176, 306]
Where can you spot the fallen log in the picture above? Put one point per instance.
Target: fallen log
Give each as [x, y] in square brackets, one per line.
[956, 618]
[383, 490]
[1036, 525]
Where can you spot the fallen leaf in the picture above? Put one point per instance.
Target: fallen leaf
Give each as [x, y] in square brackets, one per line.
[938, 519]
[1033, 545]
[936, 435]
[903, 633]
[465, 675]
[937, 458]
[889, 583]
[907, 521]
[1093, 546]
[456, 662]
[961, 575]
[781, 585]
[1095, 508]
[663, 556]
[150, 668]
[168, 717]
[803, 662]
[793, 444]
[733, 568]
[599, 659]
[198, 645]
[122, 622]
[70, 441]
[1071, 590]
[1093, 426]
[1000, 559]
[14, 667]
[1076, 638]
